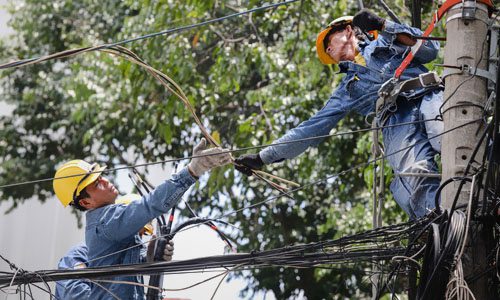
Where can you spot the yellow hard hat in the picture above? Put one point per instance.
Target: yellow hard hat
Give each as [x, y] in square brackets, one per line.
[72, 177]
[320, 46]
[126, 199]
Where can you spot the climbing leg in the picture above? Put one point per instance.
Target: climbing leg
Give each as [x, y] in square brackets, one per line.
[408, 150]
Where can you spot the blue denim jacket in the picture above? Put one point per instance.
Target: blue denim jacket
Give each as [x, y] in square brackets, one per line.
[357, 91]
[115, 227]
[75, 288]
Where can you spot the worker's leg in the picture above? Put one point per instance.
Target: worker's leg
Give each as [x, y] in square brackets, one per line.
[409, 151]
[429, 108]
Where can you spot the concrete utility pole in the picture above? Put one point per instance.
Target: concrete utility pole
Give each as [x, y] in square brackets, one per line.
[467, 46]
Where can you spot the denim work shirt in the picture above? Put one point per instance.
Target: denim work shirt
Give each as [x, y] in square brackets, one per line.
[73, 288]
[357, 91]
[115, 228]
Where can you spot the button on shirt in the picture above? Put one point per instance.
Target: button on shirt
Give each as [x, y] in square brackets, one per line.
[357, 91]
[114, 228]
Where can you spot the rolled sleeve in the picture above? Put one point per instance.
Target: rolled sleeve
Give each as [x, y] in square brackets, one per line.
[185, 178]
[426, 53]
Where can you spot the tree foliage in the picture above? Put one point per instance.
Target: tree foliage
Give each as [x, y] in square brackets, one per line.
[250, 78]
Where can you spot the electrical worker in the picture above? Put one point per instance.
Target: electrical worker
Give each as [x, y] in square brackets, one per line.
[111, 232]
[367, 65]
[77, 257]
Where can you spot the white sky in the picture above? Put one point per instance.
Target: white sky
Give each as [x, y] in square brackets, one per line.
[35, 236]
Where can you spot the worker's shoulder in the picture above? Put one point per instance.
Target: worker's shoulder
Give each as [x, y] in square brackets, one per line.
[102, 213]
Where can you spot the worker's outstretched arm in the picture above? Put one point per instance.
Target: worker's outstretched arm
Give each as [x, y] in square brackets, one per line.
[397, 36]
[119, 222]
[319, 124]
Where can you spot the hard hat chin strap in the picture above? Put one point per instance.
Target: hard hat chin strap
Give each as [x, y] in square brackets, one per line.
[75, 196]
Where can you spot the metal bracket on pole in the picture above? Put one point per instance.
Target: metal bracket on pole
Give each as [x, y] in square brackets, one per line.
[467, 15]
[469, 10]
[431, 175]
[466, 69]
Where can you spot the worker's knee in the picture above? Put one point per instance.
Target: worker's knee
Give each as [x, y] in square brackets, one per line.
[423, 199]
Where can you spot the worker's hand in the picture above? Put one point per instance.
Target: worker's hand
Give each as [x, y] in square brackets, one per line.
[166, 253]
[209, 160]
[368, 21]
[246, 163]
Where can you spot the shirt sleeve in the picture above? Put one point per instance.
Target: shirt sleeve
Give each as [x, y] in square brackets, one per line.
[427, 52]
[74, 288]
[120, 222]
[319, 124]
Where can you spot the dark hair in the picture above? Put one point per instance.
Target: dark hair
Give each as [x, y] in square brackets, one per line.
[357, 32]
[76, 202]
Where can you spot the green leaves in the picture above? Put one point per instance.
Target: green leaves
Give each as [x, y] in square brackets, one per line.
[250, 79]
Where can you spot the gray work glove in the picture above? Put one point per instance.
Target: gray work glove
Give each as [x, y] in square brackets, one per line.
[209, 160]
[368, 21]
[167, 251]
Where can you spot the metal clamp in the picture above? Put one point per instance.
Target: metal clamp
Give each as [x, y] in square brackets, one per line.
[429, 79]
[466, 69]
[469, 10]
[387, 87]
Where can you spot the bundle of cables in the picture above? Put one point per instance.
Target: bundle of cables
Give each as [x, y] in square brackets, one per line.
[376, 245]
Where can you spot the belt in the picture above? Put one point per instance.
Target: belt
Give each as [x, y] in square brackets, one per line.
[390, 90]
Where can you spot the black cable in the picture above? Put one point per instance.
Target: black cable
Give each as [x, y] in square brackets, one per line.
[416, 13]
[364, 246]
[467, 168]
[442, 186]
[389, 11]
[218, 219]
[412, 243]
[454, 238]
[494, 148]
[228, 151]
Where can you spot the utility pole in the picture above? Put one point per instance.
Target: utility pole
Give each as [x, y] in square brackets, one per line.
[466, 94]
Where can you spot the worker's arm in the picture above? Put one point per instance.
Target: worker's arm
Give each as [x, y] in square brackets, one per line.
[119, 222]
[319, 124]
[397, 37]
[402, 34]
[73, 288]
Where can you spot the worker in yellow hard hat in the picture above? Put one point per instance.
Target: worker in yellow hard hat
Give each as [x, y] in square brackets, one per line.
[368, 49]
[77, 258]
[111, 232]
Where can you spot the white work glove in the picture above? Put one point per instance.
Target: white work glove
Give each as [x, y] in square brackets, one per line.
[200, 165]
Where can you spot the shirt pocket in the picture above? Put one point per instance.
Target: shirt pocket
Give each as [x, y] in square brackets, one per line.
[359, 85]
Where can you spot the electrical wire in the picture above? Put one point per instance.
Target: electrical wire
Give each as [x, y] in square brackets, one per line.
[72, 52]
[377, 244]
[110, 170]
[186, 226]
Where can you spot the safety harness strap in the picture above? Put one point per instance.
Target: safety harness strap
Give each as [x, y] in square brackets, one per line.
[390, 91]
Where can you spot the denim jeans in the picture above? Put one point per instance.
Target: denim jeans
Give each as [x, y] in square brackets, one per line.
[409, 150]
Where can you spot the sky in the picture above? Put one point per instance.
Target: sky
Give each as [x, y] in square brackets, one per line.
[35, 236]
